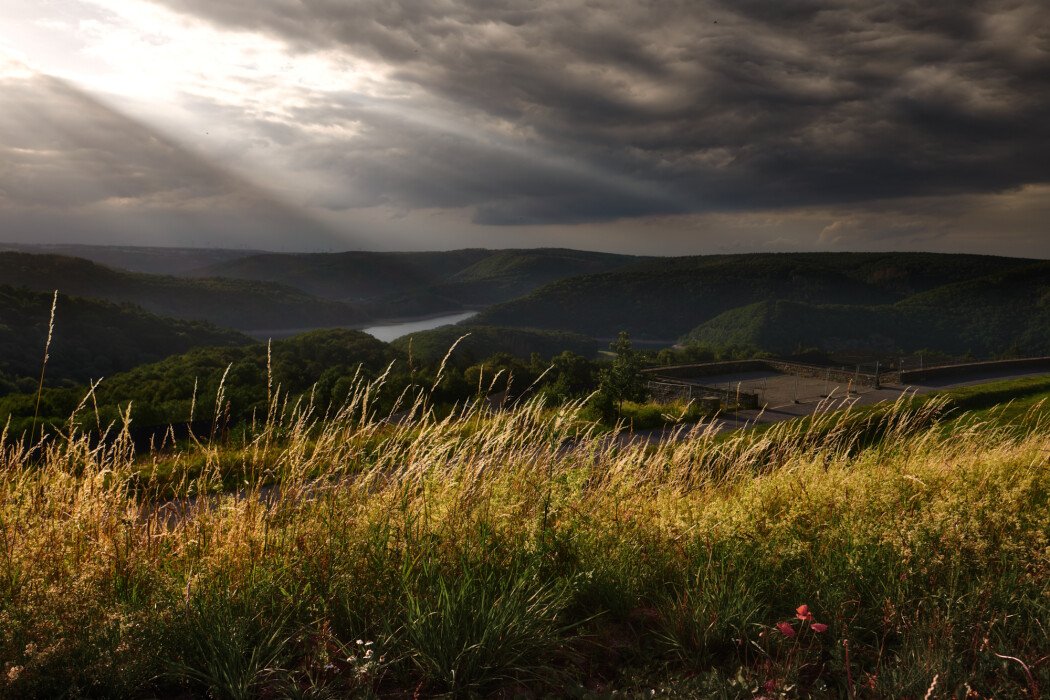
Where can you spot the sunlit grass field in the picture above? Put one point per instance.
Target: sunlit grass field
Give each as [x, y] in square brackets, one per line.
[903, 551]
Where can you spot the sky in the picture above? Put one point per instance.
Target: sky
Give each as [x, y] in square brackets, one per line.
[662, 127]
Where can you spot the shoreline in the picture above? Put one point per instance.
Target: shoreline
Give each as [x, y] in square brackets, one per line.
[283, 333]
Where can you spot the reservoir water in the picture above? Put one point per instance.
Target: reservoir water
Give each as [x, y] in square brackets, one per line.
[385, 332]
[389, 331]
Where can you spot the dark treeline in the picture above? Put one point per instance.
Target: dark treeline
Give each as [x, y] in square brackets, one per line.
[320, 368]
[89, 338]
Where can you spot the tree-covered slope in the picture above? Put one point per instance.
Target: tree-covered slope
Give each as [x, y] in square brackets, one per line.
[241, 304]
[995, 313]
[90, 339]
[506, 274]
[484, 341]
[666, 298]
[408, 284]
[321, 363]
[157, 260]
[906, 274]
[350, 276]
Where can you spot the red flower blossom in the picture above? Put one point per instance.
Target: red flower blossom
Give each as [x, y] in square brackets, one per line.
[804, 614]
[818, 626]
[786, 629]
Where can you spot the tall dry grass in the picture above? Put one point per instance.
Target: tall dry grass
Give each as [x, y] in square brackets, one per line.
[523, 551]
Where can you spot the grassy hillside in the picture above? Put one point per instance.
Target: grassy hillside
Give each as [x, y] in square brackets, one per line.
[988, 315]
[665, 299]
[518, 554]
[91, 339]
[240, 304]
[485, 341]
[409, 284]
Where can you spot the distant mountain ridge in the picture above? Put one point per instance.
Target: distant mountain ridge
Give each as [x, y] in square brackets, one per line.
[816, 299]
[418, 284]
[151, 260]
[233, 303]
[774, 301]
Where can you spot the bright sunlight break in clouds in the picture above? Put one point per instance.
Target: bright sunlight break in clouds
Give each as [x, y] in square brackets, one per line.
[663, 128]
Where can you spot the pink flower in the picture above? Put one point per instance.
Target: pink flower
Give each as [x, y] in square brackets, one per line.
[786, 629]
[804, 614]
[818, 626]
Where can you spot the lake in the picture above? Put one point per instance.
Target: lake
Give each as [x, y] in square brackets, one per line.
[385, 332]
[388, 332]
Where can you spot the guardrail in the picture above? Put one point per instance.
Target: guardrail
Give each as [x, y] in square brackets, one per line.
[858, 375]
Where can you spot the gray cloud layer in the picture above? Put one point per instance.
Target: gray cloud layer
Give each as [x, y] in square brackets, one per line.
[582, 111]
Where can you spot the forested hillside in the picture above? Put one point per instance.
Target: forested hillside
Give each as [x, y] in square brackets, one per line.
[669, 298]
[91, 339]
[1003, 312]
[484, 341]
[149, 259]
[240, 304]
[182, 386]
[415, 284]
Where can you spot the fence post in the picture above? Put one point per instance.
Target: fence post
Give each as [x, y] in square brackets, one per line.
[796, 386]
[856, 377]
[827, 377]
[876, 374]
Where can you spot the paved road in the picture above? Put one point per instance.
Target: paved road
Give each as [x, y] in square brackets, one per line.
[778, 393]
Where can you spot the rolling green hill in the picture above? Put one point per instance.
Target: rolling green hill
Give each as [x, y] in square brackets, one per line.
[240, 304]
[322, 363]
[667, 298]
[988, 315]
[415, 284]
[485, 341]
[91, 339]
[350, 276]
[160, 260]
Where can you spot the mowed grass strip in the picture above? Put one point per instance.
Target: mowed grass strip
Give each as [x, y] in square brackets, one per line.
[523, 553]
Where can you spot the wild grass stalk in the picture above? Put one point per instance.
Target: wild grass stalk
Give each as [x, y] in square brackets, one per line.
[43, 366]
[343, 552]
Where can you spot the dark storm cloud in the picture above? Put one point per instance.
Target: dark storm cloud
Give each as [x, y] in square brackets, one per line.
[672, 106]
[397, 159]
[72, 168]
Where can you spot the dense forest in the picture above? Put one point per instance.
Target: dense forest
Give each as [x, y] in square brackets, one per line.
[391, 285]
[484, 341]
[1003, 312]
[233, 385]
[318, 367]
[90, 339]
[233, 303]
[669, 299]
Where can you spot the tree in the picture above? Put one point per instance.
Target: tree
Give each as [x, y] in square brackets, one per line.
[621, 382]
